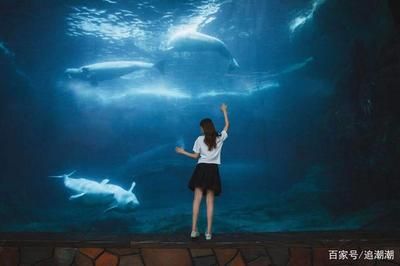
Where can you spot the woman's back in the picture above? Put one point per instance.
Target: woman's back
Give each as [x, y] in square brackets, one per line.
[206, 155]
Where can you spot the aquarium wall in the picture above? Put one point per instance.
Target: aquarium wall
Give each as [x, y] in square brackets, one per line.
[96, 95]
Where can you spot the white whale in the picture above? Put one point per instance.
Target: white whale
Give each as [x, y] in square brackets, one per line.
[117, 198]
[124, 200]
[110, 70]
[192, 41]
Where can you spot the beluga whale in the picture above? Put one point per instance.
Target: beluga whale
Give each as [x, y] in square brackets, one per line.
[111, 70]
[124, 200]
[102, 193]
[193, 41]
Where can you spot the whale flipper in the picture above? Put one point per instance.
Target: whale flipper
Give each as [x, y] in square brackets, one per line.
[76, 196]
[132, 186]
[233, 64]
[105, 181]
[63, 176]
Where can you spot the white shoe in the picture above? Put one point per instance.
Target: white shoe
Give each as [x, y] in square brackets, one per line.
[194, 234]
[208, 236]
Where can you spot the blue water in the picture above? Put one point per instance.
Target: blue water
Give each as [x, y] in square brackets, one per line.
[274, 171]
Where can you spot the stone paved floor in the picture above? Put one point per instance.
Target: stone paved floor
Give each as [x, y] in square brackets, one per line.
[294, 249]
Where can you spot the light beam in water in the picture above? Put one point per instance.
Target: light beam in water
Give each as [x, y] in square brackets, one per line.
[109, 95]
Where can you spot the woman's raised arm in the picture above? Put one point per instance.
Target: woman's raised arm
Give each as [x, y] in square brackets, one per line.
[224, 110]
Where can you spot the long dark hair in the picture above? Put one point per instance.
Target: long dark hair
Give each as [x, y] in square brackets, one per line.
[210, 134]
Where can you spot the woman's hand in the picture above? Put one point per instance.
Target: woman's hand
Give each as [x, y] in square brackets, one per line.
[179, 150]
[223, 108]
[224, 111]
[188, 154]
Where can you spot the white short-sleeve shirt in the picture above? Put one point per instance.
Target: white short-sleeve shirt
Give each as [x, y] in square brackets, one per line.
[206, 156]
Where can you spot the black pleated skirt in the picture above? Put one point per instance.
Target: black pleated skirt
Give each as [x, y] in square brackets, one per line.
[206, 176]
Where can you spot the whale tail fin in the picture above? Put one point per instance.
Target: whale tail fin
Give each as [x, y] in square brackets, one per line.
[63, 176]
[160, 65]
[233, 64]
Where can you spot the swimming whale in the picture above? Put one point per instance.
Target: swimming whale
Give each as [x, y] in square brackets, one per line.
[110, 70]
[125, 200]
[192, 41]
[89, 191]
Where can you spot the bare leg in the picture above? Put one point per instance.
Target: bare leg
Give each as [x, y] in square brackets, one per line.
[196, 205]
[210, 209]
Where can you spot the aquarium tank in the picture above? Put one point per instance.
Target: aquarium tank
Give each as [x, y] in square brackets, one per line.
[96, 95]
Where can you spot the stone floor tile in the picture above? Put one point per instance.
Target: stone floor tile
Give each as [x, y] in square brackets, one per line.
[279, 256]
[124, 251]
[201, 252]
[205, 261]
[64, 256]
[82, 260]
[9, 256]
[237, 261]
[166, 257]
[385, 263]
[300, 257]
[224, 255]
[47, 262]
[107, 259]
[91, 252]
[131, 260]
[260, 261]
[31, 255]
[321, 256]
[252, 253]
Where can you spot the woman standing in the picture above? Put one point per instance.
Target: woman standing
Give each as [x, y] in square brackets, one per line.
[205, 180]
